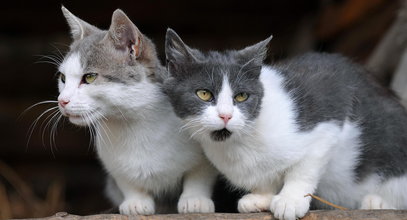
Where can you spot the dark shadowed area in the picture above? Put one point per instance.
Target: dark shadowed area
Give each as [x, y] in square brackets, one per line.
[47, 173]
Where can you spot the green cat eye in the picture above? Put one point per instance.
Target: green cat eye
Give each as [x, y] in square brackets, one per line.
[89, 78]
[62, 76]
[241, 97]
[204, 95]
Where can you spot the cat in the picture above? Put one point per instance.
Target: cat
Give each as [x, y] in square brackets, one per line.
[314, 124]
[111, 82]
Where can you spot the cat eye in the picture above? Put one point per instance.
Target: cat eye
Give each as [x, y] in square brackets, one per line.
[89, 78]
[62, 76]
[204, 94]
[241, 97]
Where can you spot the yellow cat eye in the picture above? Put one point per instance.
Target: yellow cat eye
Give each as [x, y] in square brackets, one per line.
[62, 77]
[89, 78]
[241, 97]
[204, 95]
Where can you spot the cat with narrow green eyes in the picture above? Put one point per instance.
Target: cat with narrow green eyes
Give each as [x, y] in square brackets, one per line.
[87, 78]
[110, 81]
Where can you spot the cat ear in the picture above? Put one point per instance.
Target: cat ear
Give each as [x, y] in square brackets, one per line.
[255, 54]
[124, 34]
[79, 28]
[176, 49]
[177, 52]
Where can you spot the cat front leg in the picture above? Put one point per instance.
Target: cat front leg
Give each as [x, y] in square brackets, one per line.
[197, 189]
[291, 202]
[373, 201]
[259, 199]
[255, 202]
[137, 201]
[302, 178]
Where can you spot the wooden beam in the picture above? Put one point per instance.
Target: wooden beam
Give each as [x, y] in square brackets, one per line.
[313, 215]
[387, 54]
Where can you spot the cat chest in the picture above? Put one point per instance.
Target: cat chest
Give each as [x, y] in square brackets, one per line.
[244, 167]
[140, 162]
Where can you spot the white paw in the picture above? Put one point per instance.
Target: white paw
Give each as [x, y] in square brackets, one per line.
[195, 204]
[254, 203]
[373, 201]
[289, 208]
[143, 206]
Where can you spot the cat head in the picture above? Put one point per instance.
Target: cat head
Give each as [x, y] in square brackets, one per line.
[218, 95]
[109, 73]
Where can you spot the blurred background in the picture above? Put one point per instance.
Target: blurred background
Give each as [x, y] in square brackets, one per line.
[45, 174]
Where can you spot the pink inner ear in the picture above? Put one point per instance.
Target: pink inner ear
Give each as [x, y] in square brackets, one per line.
[137, 47]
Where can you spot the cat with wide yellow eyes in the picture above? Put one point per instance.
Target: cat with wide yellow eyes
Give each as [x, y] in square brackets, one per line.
[313, 124]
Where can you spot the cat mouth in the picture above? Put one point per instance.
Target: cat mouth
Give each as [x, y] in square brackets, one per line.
[78, 115]
[73, 116]
[76, 119]
[81, 119]
[221, 135]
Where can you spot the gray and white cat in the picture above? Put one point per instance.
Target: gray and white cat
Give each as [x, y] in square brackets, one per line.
[314, 124]
[111, 81]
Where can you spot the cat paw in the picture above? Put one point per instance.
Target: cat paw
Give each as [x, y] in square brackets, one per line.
[373, 201]
[144, 206]
[254, 203]
[289, 208]
[195, 204]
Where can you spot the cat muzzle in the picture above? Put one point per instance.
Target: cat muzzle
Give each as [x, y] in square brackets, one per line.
[221, 135]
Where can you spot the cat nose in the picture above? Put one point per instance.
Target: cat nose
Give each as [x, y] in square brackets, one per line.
[225, 117]
[63, 102]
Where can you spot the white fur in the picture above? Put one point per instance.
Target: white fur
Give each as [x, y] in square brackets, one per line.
[75, 93]
[255, 202]
[280, 164]
[225, 103]
[138, 141]
[373, 201]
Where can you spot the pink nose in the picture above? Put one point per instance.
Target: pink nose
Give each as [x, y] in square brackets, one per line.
[63, 103]
[225, 117]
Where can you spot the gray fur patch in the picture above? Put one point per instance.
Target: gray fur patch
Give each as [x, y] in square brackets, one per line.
[135, 77]
[114, 79]
[329, 87]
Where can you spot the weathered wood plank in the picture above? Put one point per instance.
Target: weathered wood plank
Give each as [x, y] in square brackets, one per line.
[313, 215]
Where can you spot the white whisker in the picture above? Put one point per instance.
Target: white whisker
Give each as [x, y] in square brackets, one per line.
[190, 124]
[49, 119]
[52, 142]
[32, 126]
[36, 104]
[52, 59]
[197, 132]
[54, 129]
